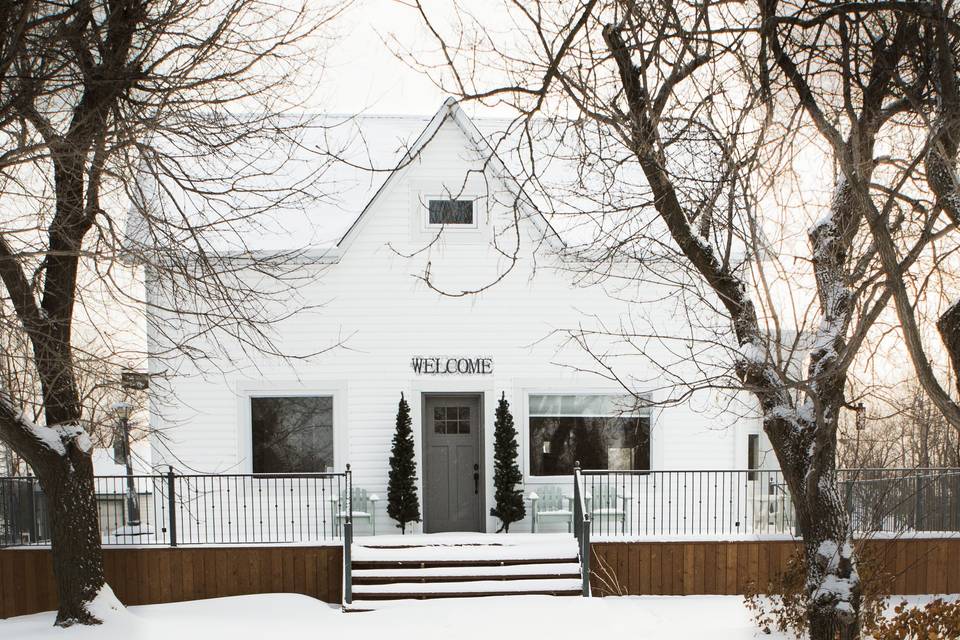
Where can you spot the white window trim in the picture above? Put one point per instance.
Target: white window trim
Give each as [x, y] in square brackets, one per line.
[246, 391]
[525, 392]
[425, 224]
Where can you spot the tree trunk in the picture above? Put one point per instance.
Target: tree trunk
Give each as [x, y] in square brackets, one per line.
[833, 589]
[833, 584]
[75, 540]
[949, 327]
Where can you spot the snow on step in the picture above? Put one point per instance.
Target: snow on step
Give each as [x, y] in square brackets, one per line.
[549, 568]
[465, 548]
[471, 587]
[400, 569]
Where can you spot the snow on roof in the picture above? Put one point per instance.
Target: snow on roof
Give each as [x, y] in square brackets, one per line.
[328, 167]
[341, 161]
[579, 191]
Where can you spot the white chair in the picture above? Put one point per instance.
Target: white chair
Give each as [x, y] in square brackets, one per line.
[364, 508]
[550, 502]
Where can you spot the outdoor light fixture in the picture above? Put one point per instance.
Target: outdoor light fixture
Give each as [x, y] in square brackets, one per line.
[123, 411]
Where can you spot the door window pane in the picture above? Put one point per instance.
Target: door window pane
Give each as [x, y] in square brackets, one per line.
[451, 420]
[292, 434]
[599, 431]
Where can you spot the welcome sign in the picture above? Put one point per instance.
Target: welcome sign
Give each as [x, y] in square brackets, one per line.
[442, 365]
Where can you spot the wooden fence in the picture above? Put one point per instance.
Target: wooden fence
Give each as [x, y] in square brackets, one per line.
[155, 575]
[911, 565]
[150, 575]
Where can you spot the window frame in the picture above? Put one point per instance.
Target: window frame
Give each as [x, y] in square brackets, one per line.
[286, 462]
[526, 393]
[753, 446]
[425, 223]
[247, 391]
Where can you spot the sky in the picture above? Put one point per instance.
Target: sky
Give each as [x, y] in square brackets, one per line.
[362, 74]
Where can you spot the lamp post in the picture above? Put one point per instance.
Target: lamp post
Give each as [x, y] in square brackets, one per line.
[123, 411]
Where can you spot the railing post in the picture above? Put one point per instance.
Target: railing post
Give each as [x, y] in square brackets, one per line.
[581, 524]
[955, 499]
[585, 553]
[348, 541]
[172, 504]
[577, 515]
[849, 499]
[918, 518]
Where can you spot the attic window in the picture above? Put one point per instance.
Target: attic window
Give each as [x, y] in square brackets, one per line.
[453, 212]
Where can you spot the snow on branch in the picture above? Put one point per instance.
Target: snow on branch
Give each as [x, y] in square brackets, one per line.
[54, 439]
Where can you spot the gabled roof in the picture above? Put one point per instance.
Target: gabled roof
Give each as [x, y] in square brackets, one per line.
[450, 109]
[345, 161]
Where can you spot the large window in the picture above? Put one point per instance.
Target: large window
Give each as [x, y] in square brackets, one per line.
[599, 431]
[292, 434]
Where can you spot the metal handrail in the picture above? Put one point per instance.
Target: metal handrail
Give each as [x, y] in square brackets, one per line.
[581, 529]
[348, 542]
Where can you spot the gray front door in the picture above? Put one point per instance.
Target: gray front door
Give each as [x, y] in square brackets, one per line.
[453, 469]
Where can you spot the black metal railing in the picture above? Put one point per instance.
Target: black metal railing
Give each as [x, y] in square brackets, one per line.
[581, 529]
[685, 503]
[186, 509]
[177, 509]
[23, 512]
[757, 502]
[894, 500]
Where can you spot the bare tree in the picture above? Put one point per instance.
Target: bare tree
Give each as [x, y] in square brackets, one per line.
[679, 123]
[149, 115]
[881, 83]
[910, 432]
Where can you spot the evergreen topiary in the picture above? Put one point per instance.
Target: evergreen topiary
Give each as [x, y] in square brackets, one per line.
[403, 505]
[506, 473]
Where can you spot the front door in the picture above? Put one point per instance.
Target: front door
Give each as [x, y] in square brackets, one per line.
[453, 469]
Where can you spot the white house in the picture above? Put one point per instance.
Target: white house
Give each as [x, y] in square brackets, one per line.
[446, 208]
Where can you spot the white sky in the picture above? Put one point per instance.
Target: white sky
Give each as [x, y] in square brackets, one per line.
[363, 75]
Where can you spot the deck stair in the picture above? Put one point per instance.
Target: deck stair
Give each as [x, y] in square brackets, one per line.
[388, 571]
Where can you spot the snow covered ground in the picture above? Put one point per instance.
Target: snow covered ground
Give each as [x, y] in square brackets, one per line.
[296, 617]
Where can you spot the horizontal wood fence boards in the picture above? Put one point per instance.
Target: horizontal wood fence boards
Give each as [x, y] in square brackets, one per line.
[912, 566]
[148, 575]
[154, 575]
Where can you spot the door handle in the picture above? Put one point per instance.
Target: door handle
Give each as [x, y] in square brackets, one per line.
[476, 479]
